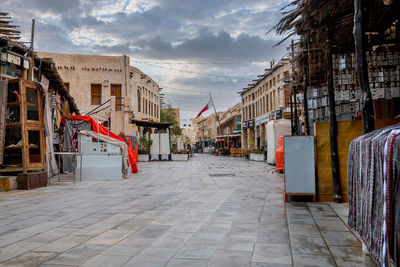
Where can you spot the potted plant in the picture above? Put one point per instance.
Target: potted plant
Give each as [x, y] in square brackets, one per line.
[144, 149]
[179, 155]
[257, 154]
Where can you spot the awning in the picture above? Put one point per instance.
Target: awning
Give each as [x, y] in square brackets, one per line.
[228, 135]
[151, 124]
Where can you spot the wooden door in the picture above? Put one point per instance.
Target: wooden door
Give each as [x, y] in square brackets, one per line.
[32, 126]
[116, 91]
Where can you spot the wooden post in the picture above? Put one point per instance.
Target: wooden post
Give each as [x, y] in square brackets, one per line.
[291, 112]
[306, 83]
[294, 93]
[367, 107]
[337, 196]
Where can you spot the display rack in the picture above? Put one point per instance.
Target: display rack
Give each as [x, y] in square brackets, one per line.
[24, 140]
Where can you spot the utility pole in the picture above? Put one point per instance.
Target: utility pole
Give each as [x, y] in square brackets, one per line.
[216, 116]
[33, 33]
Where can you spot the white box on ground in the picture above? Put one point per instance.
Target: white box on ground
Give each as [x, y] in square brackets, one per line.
[99, 167]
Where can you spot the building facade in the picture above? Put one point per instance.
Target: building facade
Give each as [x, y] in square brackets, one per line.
[264, 101]
[230, 127]
[189, 129]
[123, 92]
[207, 130]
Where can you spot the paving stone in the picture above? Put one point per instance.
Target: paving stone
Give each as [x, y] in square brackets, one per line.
[225, 258]
[238, 243]
[171, 239]
[308, 245]
[332, 224]
[306, 260]
[64, 244]
[272, 253]
[350, 256]
[305, 230]
[187, 262]
[334, 238]
[77, 255]
[151, 231]
[16, 249]
[29, 259]
[109, 237]
[196, 251]
[107, 260]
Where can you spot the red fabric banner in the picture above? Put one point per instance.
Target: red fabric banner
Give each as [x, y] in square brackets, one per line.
[98, 128]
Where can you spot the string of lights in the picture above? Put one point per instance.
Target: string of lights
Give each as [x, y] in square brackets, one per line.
[200, 73]
[199, 63]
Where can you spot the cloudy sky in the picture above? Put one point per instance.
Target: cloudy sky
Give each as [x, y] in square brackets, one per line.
[190, 47]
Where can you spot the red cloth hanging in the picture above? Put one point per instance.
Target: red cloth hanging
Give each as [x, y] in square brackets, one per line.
[98, 128]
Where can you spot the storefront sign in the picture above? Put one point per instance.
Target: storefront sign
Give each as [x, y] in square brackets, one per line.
[237, 131]
[264, 119]
[278, 114]
[26, 63]
[244, 124]
[14, 59]
[272, 115]
[258, 122]
[250, 123]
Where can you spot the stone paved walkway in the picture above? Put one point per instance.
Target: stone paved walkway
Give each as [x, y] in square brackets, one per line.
[209, 211]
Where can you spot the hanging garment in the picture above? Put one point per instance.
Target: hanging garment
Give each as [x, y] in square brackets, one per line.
[71, 131]
[3, 111]
[373, 181]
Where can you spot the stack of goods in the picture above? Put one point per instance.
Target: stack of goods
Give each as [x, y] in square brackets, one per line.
[373, 174]
[384, 81]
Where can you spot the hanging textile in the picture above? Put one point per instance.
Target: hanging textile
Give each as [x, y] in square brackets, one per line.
[71, 131]
[3, 111]
[98, 128]
[49, 133]
[373, 188]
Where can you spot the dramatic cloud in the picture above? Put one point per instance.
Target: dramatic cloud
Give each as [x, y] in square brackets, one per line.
[167, 39]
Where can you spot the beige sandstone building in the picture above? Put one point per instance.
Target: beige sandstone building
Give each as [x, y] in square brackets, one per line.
[207, 130]
[189, 129]
[266, 102]
[125, 92]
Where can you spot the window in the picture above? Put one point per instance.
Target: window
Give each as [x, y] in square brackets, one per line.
[139, 101]
[279, 97]
[95, 92]
[116, 91]
[274, 100]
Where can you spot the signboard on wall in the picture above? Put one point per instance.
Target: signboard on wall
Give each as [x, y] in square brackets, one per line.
[244, 124]
[250, 123]
[264, 119]
[278, 114]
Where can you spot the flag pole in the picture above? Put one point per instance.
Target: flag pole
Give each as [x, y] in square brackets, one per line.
[216, 115]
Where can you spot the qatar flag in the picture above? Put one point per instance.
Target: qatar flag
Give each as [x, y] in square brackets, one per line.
[205, 108]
